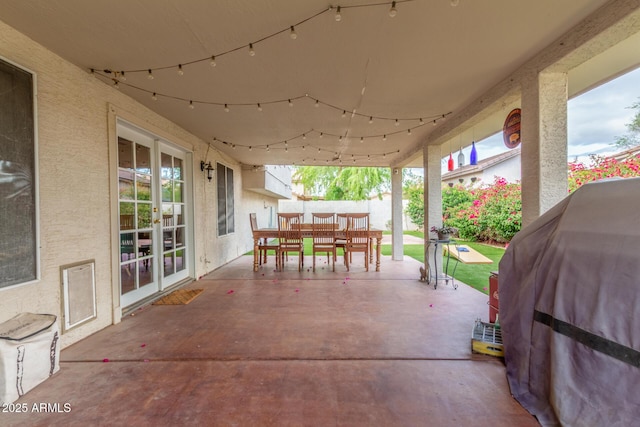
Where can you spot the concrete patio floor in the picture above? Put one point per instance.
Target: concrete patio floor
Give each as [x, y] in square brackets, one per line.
[288, 348]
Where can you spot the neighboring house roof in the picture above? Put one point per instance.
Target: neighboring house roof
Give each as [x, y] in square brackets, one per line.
[623, 155]
[482, 164]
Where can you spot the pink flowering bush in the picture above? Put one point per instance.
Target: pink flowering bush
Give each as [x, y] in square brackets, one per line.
[602, 168]
[490, 213]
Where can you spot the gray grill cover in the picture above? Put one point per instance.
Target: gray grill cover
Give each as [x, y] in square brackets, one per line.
[570, 309]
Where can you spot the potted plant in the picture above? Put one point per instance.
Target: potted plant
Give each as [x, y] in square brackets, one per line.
[443, 232]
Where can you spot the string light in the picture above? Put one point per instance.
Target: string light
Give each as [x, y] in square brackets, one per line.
[226, 108]
[122, 77]
[116, 85]
[150, 75]
[290, 103]
[397, 122]
[180, 71]
[393, 12]
[154, 97]
[292, 32]
[191, 106]
[259, 107]
[316, 101]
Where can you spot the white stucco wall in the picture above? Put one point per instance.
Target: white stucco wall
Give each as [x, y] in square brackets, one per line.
[76, 220]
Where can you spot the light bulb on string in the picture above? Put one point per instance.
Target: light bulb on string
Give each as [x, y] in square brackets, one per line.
[191, 106]
[409, 131]
[122, 77]
[421, 121]
[293, 33]
[251, 51]
[384, 137]
[361, 140]
[226, 108]
[180, 70]
[338, 15]
[370, 120]
[259, 107]
[116, 85]
[150, 75]
[317, 104]
[213, 61]
[393, 11]
[154, 97]
[344, 114]
[397, 123]
[290, 103]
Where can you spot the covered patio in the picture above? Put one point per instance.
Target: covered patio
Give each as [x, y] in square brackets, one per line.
[288, 348]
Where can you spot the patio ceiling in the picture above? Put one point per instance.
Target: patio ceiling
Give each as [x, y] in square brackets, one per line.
[423, 65]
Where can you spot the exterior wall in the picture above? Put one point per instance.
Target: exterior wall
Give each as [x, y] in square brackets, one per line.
[509, 170]
[380, 210]
[77, 219]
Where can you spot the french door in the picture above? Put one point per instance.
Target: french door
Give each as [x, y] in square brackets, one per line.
[153, 226]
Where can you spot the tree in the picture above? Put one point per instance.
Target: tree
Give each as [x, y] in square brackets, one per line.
[632, 138]
[415, 207]
[343, 183]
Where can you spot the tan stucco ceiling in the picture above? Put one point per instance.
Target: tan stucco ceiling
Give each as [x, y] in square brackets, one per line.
[430, 60]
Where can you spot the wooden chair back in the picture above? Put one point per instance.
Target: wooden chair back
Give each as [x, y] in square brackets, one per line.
[323, 228]
[290, 231]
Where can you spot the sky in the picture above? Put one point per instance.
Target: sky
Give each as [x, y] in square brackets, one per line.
[595, 119]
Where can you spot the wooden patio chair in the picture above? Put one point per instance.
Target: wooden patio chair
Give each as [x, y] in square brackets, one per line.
[357, 238]
[290, 237]
[323, 231]
[263, 244]
[341, 233]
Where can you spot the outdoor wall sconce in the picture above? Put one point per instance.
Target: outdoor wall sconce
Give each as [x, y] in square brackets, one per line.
[461, 180]
[473, 179]
[207, 167]
[451, 184]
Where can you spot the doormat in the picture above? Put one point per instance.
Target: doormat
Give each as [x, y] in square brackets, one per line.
[179, 297]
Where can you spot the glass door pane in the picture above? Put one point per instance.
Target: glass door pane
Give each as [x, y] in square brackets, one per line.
[174, 253]
[135, 183]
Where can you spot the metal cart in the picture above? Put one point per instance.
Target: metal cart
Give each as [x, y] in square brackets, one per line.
[433, 276]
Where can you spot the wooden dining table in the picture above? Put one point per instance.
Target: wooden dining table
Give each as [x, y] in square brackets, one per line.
[272, 233]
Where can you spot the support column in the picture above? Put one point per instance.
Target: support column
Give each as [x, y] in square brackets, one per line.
[397, 228]
[544, 143]
[432, 198]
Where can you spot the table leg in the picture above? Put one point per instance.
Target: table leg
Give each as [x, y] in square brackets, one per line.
[378, 244]
[255, 254]
[371, 250]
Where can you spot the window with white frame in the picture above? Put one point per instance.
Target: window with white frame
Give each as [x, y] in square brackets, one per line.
[224, 177]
